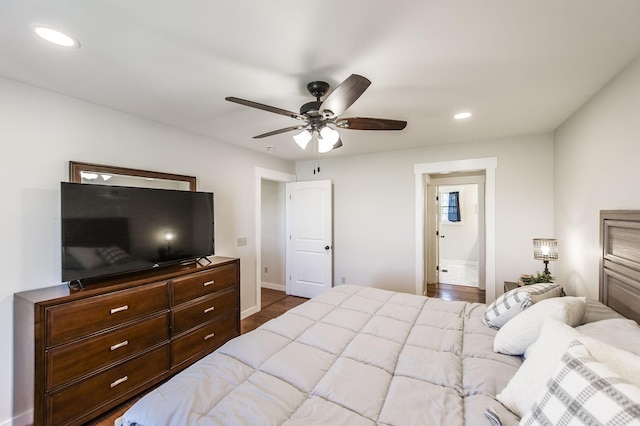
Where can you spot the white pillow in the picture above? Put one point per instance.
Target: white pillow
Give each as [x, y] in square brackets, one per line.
[531, 378]
[623, 363]
[545, 354]
[584, 389]
[619, 332]
[515, 336]
[517, 300]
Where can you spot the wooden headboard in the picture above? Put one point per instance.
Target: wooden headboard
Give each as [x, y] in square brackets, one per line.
[620, 261]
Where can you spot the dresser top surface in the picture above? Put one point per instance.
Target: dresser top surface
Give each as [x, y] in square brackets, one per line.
[120, 282]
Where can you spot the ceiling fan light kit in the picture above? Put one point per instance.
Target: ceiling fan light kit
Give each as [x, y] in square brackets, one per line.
[318, 115]
[303, 138]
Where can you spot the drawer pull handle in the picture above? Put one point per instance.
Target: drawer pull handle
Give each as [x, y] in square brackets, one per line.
[120, 380]
[206, 311]
[208, 283]
[119, 345]
[120, 309]
[209, 336]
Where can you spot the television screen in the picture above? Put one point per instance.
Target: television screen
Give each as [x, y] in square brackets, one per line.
[108, 230]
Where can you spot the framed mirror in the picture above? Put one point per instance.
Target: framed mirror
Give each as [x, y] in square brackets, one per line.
[98, 174]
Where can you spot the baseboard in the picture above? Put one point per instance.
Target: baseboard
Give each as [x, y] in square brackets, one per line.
[23, 419]
[252, 310]
[272, 286]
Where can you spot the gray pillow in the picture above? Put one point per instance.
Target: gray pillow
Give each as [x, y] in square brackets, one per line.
[517, 300]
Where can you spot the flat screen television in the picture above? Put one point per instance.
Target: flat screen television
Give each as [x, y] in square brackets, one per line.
[110, 230]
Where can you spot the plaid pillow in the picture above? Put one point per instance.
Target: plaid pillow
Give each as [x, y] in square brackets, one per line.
[585, 391]
[517, 300]
[113, 255]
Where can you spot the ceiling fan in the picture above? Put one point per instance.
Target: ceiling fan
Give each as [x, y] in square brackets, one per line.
[320, 118]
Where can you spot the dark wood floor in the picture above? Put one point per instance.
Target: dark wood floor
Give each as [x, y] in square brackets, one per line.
[456, 292]
[275, 303]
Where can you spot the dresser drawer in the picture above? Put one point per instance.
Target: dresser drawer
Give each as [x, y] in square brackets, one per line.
[80, 318]
[206, 338]
[68, 404]
[69, 362]
[202, 283]
[186, 317]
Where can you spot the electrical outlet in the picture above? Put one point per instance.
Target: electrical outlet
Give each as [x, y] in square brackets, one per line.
[266, 270]
[242, 241]
[344, 280]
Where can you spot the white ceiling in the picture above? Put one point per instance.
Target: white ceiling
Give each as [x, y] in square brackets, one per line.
[521, 66]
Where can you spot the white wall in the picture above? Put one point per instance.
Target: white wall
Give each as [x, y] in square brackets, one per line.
[374, 205]
[596, 168]
[273, 234]
[42, 131]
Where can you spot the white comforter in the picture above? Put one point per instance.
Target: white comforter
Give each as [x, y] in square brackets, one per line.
[351, 356]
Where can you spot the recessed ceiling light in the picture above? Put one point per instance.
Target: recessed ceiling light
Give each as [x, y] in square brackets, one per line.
[462, 115]
[55, 36]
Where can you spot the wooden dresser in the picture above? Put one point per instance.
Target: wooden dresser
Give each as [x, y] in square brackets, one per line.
[80, 353]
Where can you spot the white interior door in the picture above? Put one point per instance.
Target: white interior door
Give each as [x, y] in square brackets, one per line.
[310, 238]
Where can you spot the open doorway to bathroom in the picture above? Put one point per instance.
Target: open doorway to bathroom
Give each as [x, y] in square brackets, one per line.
[457, 244]
[485, 168]
[454, 237]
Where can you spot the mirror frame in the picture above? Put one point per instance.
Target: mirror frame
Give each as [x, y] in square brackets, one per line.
[76, 168]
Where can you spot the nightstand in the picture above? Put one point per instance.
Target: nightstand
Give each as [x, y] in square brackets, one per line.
[510, 285]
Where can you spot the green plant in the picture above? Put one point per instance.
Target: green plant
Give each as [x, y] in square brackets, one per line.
[542, 277]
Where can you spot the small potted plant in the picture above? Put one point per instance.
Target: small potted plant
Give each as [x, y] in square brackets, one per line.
[541, 277]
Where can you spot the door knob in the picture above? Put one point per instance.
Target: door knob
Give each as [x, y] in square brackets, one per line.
[327, 247]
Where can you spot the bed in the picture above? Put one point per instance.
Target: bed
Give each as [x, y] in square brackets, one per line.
[365, 356]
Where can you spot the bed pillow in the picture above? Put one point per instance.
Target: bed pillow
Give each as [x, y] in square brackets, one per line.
[531, 378]
[517, 300]
[622, 333]
[518, 334]
[585, 389]
[544, 355]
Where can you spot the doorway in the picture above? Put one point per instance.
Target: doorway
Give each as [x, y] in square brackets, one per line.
[270, 178]
[273, 246]
[454, 223]
[271, 206]
[471, 166]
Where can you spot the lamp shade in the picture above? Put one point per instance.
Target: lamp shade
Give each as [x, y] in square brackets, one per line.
[545, 249]
[328, 137]
[303, 138]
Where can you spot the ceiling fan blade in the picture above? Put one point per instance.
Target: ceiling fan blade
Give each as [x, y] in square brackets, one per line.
[265, 107]
[277, 132]
[363, 123]
[343, 96]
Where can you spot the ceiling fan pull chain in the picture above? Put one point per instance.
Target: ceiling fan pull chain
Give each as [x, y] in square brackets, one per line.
[316, 160]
